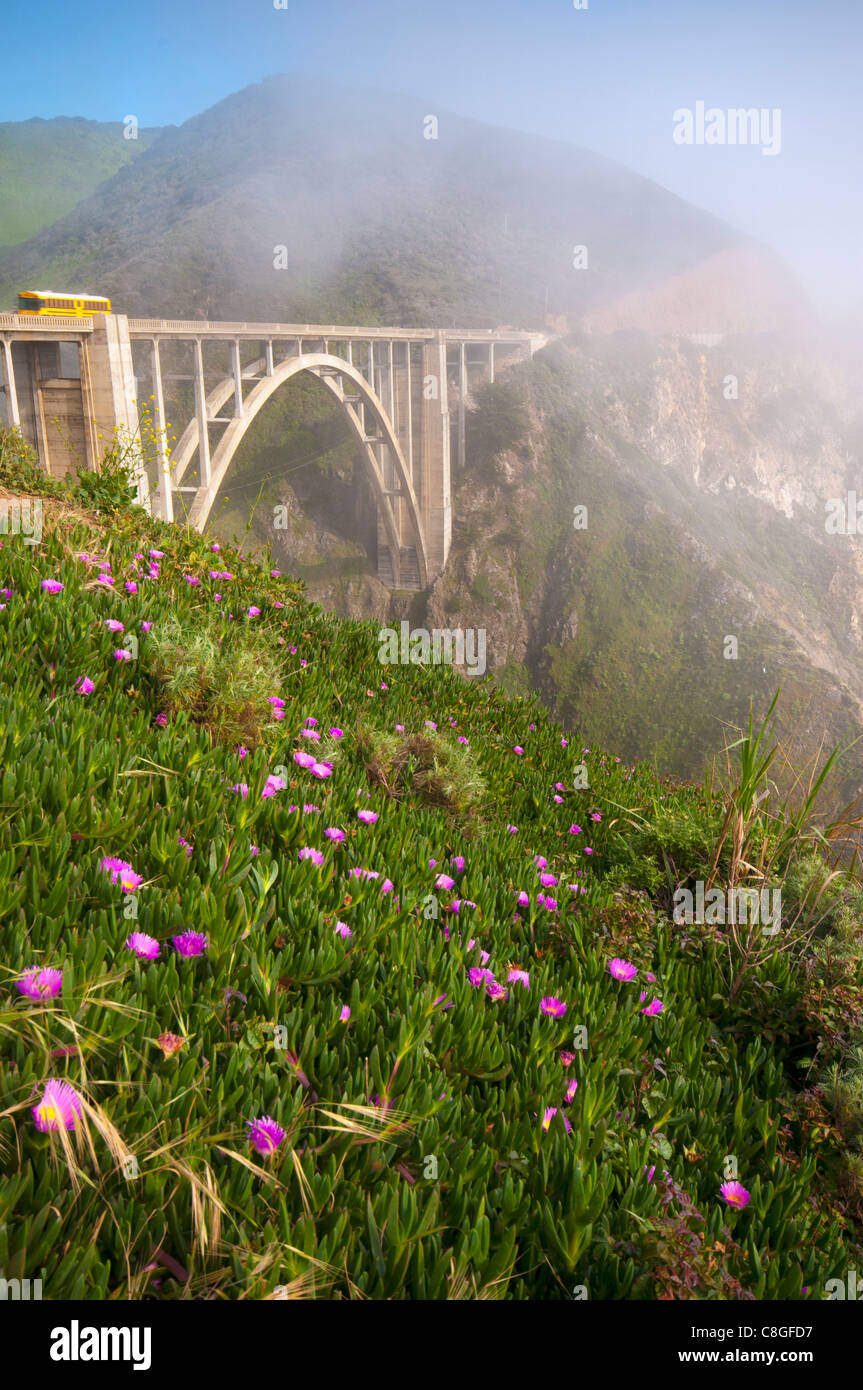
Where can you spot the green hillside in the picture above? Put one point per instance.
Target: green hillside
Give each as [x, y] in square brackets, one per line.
[328, 979]
[48, 167]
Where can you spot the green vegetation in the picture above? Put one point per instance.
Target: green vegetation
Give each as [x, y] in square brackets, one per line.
[47, 167]
[431, 1140]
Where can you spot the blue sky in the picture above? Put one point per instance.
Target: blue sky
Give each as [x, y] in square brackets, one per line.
[609, 78]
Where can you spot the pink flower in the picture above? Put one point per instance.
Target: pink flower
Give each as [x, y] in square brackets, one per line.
[84, 685]
[554, 1008]
[51, 586]
[622, 969]
[512, 829]
[594, 815]
[517, 749]
[161, 720]
[575, 830]
[333, 833]
[272, 785]
[345, 1014]
[121, 654]
[569, 1093]
[242, 788]
[310, 733]
[367, 817]
[156, 554]
[40, 984]
[478, 977]
[336, 733]
[549, 1115]
[59, 1108]
[323, 770]
[265, 1135]
[191, 579]
[113, 625]
[548, 880]
[121, 872]
[130, 586]
[344, 930]
[275, 700]
[523, 899]
[253, 612]
[314, 854]
[497, 992]
[445, 882]
[734, 1193]
[654, 1007]
[190, 943]
[518, 977]
[145, 947]
[304, 759]
[145, 627]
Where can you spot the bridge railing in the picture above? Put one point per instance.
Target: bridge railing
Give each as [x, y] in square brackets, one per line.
[43, 323]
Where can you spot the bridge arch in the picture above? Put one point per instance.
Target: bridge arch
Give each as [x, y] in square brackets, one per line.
[331, 371]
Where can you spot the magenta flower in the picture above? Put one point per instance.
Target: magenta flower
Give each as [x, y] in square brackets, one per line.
[121, 654]
[84, 685]
[333, 833]
[548, 880]
[477, 976]
[113, 625]
[51, 586]
[345, 1014]
[343, 930]
[161, 720]
[304, 759]
[622, 969]
[272, 785]
[518, 749]
[40, 984]
[59, 1108]
[145, 627]
[367, 817]
[275, 700]
[594, 815]
[191, 579]
[575, 830]
[335, 733]
[734, 1193]
[145, 947]
[310, 733]
[130, 586]
[323, 770]
[654, 1007]
[540, 861]
[242, 788]
[445, 882]
[512, 830]
[497, 992]
[121, 872]
[191, 943]
[265, 1135]
[523, 899]
[314, 854]
[547, 1118]
[569, 1093]
[156, 554]
[458, 863]
[554, 1008]
[253, 612]
[518, 977]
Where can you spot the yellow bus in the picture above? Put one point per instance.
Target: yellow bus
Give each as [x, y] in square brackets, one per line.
[70, 305]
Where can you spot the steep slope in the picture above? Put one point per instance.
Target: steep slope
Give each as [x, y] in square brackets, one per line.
[47, 167]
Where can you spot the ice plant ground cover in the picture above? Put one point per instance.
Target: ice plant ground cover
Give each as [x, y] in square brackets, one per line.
[448, 1054]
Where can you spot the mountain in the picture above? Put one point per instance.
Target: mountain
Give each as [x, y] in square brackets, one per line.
[48, 167]
[478, 226]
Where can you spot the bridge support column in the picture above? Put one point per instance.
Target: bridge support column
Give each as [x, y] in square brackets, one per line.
[166, 496]
[436, 471]
[201, 411]
[13, 414]
[112, 388]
